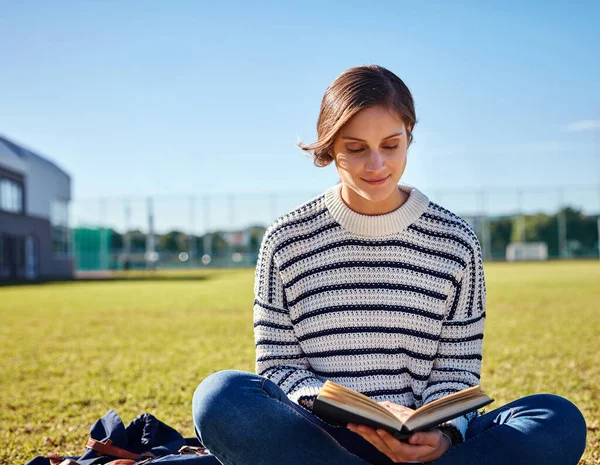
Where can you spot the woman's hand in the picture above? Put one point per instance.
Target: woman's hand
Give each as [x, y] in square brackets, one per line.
[424, 446]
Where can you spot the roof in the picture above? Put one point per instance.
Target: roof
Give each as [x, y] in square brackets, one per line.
[24, 154]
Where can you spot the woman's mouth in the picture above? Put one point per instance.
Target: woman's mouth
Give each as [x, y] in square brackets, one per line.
[376, 181]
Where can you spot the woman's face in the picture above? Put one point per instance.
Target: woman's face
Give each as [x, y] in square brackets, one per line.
[370, 156]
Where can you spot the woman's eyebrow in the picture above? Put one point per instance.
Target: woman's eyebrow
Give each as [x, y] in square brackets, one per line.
[361, 140]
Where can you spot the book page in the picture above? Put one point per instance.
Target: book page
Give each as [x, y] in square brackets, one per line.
[359, 411]
[349, 397]
[457, 397]
[445, 412]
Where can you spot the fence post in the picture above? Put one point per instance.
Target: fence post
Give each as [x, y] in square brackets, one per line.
[192, 234]
[104, 252]
[520, 215]
[207, 239]
[484, 223]
[126, 236]
[562, 225]
[229, 235]
[150, 243]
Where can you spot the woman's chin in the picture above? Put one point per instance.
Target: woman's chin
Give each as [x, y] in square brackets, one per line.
[378, 194]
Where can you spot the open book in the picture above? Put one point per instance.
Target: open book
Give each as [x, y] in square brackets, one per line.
[344, 405]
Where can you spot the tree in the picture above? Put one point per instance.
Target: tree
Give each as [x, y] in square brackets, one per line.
[500, 234]
[173, 241]
[581, 231]
[256, 236]
[219, 244]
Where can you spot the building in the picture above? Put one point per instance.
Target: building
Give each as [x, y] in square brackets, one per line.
[34, 206]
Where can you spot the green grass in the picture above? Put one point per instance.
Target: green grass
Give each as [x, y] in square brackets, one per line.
[71, 351]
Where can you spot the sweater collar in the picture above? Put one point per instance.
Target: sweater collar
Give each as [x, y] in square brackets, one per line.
[377, 225]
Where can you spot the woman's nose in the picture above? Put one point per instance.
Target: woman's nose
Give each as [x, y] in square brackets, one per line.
[375, 161]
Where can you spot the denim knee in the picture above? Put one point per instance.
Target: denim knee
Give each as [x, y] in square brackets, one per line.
[212, 401]
[566, 426]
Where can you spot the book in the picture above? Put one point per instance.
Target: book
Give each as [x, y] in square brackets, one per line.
[341, 404]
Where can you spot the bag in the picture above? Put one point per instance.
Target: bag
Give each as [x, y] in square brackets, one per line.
[146, 440]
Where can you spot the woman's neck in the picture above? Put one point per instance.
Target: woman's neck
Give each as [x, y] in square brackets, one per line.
[377, 225]
[359, 204]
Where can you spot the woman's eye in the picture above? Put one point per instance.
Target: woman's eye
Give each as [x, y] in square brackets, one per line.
[362, 149]
[355, 150]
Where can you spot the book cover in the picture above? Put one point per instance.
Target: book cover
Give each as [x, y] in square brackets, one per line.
[343, 405]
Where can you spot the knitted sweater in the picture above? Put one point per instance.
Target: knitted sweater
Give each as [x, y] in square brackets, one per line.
[390, 305]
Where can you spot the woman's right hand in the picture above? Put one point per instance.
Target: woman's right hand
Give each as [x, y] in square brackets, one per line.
[425, 446]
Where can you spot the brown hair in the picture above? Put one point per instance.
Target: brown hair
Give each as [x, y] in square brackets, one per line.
[353, 90]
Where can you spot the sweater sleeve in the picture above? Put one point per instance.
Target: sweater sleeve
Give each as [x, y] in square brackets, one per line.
[279, 356]
[458, 361]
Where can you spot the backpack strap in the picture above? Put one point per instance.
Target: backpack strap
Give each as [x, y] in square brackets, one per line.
[106, 448]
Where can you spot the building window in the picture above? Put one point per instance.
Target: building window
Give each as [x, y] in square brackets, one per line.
[59, 219]
[11, 196]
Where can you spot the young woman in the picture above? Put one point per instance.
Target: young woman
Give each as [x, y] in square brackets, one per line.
[375, 287]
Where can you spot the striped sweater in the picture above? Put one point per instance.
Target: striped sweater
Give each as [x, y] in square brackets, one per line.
[390, 305]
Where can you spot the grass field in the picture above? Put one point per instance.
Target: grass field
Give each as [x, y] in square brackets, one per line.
[71, 351]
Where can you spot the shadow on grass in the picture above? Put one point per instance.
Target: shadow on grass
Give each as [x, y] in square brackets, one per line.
[104, 279]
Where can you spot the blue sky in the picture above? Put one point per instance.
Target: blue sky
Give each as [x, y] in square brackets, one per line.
[169, 98]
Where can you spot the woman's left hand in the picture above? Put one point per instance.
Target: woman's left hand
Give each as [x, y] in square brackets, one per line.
[424, 446]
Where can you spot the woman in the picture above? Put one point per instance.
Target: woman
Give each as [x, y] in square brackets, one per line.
[375, 287]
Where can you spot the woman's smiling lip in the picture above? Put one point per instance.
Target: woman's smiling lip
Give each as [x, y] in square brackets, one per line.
[376, 182]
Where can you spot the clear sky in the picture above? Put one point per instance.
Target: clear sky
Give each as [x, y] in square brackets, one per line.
[148, 97]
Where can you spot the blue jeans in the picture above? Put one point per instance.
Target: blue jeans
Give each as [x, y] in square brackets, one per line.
[245, 419]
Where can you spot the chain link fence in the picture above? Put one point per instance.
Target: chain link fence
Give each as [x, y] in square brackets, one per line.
[226, 230]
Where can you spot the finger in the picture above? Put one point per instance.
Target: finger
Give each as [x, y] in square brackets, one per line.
[397, 445]
[425, 438]
[403, 451]
[370, 435]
